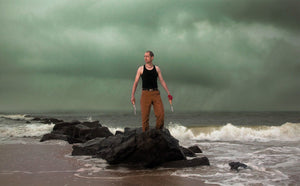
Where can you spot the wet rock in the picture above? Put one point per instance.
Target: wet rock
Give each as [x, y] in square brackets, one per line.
[119, 132]
[88, 148]
[84, 133]
[187, 163]
[237, 165]
[137, 148]
[36, 119]
[45, 120]
[99, 132]
[133, 147]
[148, 149]
[62, 126]
[129, 131]
[50, 120]
[195, 149]
[92, 124]
[78, 132]
[187, 152]
[52, 136]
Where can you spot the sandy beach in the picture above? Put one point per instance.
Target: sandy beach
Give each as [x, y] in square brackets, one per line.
[49, 164]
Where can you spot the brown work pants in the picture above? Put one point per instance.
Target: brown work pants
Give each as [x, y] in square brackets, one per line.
[149, 98]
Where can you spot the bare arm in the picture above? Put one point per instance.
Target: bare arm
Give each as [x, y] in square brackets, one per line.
[136, 81]
[162, 81]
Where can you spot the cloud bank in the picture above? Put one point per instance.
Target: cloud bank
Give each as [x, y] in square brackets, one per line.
[214, 55]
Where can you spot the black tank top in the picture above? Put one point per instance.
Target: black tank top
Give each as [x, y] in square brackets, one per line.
[149, 78]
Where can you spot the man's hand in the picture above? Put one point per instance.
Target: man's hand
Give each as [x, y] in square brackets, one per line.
[170, 101]
[132, 100]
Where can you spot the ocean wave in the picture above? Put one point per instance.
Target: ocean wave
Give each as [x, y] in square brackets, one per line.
[27, 130]
[229, 132]
[115, 129]
[17, 117]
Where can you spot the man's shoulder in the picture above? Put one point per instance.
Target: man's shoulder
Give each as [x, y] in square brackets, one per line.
[140, 69]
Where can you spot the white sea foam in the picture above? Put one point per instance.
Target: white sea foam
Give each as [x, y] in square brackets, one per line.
[17, 117]
[29, 130]
[113, 130]
[229, 132]
[244, 177]
[89, 119]
[180, 132]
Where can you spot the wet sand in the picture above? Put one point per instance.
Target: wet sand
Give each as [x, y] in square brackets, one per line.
[47, 164]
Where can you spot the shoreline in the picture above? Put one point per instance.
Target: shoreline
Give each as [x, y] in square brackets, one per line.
[48, 164]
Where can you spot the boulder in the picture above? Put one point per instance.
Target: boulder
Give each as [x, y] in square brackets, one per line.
[129, 131]
[133, 147]
[237, 165]
[53, 136]
[50, 120]
[99, 132]
[84, 133]
[88, 148]
[78, 132]
[148, 149]
[92, 124]
[136, 148]
[63, 127]
[195, 149]
[187, 152]
[119, 132]
[187, 163]
[36, 119]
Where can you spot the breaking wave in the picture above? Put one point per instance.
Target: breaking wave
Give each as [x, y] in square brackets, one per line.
[17, 117]
[229, 132]
[26, 130]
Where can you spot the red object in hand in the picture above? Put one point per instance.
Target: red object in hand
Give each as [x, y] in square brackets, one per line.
[170, 97]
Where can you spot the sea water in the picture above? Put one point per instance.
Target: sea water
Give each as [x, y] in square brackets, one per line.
[268, 142]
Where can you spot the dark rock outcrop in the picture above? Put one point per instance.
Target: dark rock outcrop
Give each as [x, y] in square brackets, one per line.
[50, 120]
[88, 148]
[63, 126]
[119, 132]
[187, 163]
[46, 120]
[187, 152]
[36, 119]
[195, 149]
[135, 147]
[54, 136]
[148, 149]
[77, 132]
[237, 165]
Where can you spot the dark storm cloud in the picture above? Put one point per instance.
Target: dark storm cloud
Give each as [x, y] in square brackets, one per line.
[239, 55]
[284, 14]
[149, 14]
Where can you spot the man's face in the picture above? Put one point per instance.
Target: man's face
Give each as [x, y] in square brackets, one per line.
[148, 58]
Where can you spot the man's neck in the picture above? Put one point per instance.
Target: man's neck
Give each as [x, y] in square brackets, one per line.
[149, 65]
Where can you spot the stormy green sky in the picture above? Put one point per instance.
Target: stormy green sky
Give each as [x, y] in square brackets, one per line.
[215, 55]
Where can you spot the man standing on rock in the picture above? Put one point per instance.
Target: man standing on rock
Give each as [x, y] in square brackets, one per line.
[150, 93]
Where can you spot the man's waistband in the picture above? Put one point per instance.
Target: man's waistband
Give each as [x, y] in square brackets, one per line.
[150, 89]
